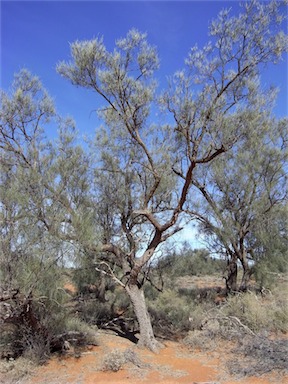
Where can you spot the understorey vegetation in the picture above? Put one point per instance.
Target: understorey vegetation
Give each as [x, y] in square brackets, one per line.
[89, 230]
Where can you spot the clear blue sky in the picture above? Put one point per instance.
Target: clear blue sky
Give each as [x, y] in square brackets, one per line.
[36, 35]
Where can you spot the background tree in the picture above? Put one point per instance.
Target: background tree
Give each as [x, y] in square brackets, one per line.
[270, 247]
[242, 192]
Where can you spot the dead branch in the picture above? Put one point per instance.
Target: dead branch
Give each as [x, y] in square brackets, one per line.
[232, 319]
[110, 272]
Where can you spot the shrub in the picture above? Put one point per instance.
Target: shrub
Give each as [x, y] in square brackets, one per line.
[37, 310]
[113, 361]
[259, 355]
[170, 314]
[92, 311]
[75, 325]
[200, 340]
[258, 313]
[95, 312]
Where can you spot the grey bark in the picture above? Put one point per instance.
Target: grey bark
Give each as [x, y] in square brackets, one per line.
[146, 338]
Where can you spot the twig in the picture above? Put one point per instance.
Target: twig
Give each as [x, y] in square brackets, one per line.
[110, 273]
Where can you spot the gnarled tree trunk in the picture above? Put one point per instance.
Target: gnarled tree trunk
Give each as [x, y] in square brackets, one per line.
[247, 272]
[232, 273]
[147, 338]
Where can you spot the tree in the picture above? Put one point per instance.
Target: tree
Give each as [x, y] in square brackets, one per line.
[119, 204]
[270, 244]
[142, 177]
[31, 281]
[241, 194]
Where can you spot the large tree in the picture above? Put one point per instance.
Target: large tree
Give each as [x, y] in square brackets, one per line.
[130, 195]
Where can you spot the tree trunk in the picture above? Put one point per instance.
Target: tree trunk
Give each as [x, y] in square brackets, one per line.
[246, 274]
[147, 338]
[232, 273]
[102, 290]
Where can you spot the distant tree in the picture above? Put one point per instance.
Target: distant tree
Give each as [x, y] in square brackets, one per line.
[131, 193]
[188, 262]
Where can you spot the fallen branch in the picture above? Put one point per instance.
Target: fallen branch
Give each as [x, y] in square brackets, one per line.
[231, 319]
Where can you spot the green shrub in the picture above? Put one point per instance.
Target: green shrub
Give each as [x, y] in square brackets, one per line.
[92, 311]
[258, 313]
[268, 270]
[189, 262]
[37, 311]
[89, 332]
[170, 314]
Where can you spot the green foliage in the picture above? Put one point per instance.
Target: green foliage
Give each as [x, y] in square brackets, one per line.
[243, 216]
[191, 263]
[200, 340]
[268, 270]
[271, 247]
[170, 314]
[258, 313]
[87, 332]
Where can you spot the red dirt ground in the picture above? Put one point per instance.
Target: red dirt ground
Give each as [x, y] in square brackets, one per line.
[174, 364]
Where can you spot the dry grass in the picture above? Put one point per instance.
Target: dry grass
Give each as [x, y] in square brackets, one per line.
[259, 355]
[269, 313]
[13, 371]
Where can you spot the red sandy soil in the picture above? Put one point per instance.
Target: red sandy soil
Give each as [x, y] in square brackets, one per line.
[173, 364]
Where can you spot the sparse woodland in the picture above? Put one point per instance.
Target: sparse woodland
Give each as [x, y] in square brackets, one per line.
[102, 215]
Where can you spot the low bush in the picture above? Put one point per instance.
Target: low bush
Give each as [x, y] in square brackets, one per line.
[200, 340]
[115, 360]
[35, 316]
[170, 314]
[257, 312]
[88, 332]
[95, 312]
[36, 321]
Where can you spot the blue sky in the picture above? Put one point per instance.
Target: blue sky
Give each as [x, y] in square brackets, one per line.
[36, 35]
